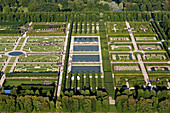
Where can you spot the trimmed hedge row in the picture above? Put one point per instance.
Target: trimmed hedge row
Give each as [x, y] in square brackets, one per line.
[32, 75]
[45, 26]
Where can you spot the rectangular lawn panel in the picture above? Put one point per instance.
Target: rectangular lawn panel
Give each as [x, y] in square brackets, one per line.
[6, 47]
[86, 58]
[38, 39]
[85, 69]
[40, 58]
[43, 48]
[36, 69]
[8, 39]
[86, 48]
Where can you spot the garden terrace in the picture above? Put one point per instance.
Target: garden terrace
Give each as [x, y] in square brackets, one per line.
[142, 28]
[40, 58]
[40, 39]
[133, 80]
[150, 47]
[48, 29]
[163, 57]
[6, 47]
[123, 57]
[146, 37]
[119, 38]
[36, 69]
[126, 69]
[3, 58]
[121, 47]
[159, 68]
[20, 82]
[8, 39]
[44, 47]
[116, 27]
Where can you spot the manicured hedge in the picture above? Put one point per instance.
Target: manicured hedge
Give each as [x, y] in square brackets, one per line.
[46, 26]
[32, 75]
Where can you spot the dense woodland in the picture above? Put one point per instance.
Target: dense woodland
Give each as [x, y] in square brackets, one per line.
[83, 5]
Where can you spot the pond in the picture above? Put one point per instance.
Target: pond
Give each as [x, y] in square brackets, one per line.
[86, 48]
[86, 58]
[86, 40]
[85, 69]
[16, 53]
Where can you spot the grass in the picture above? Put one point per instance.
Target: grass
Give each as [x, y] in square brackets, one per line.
[40, 58]
[36, 68]
[45, 39]
[21, 41]
[8, 47]
[8, 40]
[7, 69]
[41, 48]
[18, 48]
[16, 82]
[12, 59]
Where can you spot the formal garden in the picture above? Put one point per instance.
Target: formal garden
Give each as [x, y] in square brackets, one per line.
[123, 57]
[101, 71]
[142, 28]
[121, 47]
[47, 29]
[84, 28]
[40, 58]
[116, 28]
[152, 57]
[151, 47]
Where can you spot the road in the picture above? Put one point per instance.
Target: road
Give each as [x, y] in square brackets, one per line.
[62, 67]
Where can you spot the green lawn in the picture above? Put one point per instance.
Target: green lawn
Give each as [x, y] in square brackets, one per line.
[40, 58]
[46, 48]
[16, 82]
[7, 69]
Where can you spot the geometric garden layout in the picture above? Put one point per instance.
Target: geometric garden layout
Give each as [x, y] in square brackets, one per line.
[135, 50]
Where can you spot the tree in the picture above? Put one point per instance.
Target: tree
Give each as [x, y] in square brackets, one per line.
[6, 9]
[105, 104]
[58, 106]
[37, 93]
[149, 6]
[52, 109]
[28, 106]
[155, 103]
[14, 91]
[144, 105]
[87, 106]
[143, 7]
[98, 106]
[166, 5]
[75, 105]
[129, 17]
[164, 106]
[131, 104]
[48, 94]
[24, 3]
[146, 94]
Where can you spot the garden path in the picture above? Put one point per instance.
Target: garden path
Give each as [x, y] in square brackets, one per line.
[63, 60]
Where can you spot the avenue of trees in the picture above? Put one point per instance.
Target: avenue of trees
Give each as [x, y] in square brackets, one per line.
[25, 104]
[143, 101]
[83, 5]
